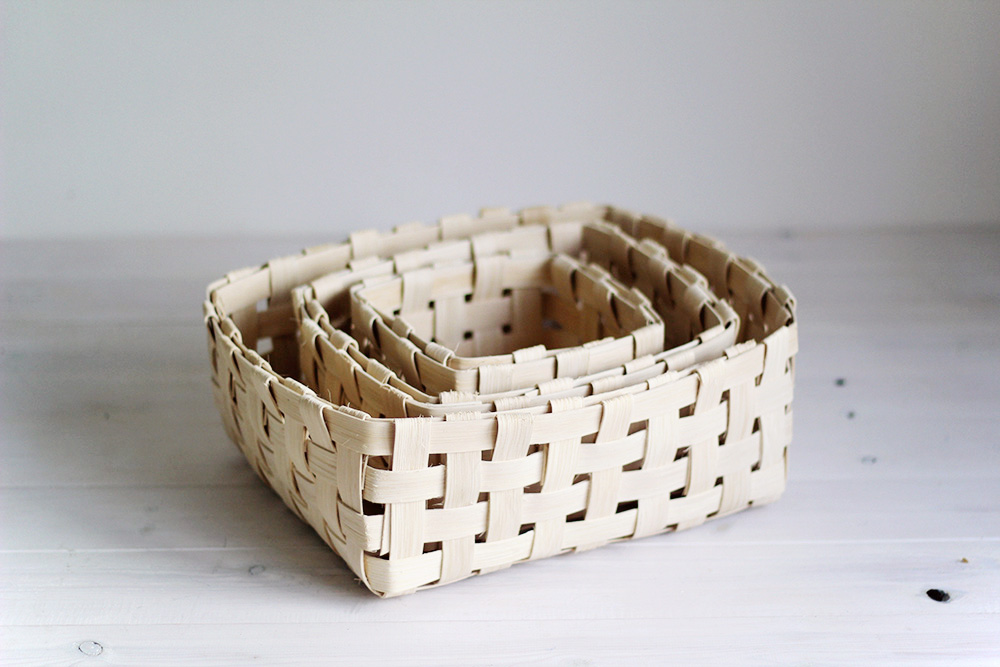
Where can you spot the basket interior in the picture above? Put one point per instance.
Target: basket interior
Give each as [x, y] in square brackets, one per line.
[524, 308]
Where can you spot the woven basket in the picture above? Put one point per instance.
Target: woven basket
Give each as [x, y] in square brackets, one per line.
[411, 502]
[699, 327]
[529, 318]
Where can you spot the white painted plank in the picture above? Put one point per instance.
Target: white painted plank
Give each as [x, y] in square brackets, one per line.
[859, 638]
[665, 583]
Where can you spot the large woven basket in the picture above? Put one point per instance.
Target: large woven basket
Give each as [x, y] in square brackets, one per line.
[454, 483]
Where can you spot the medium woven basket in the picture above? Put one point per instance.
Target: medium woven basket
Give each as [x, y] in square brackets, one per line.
[700, 328]
[338, 373]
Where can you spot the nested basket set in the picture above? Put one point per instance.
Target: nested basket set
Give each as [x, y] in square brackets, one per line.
[445, 400]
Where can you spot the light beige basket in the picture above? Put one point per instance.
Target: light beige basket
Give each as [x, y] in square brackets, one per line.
[414, 502]
[528, 317]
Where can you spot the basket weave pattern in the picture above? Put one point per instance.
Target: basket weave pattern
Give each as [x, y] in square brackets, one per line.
[698, 428]
[496, 304]
[700, 327]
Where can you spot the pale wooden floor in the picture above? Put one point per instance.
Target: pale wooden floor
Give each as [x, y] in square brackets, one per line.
[129, 520]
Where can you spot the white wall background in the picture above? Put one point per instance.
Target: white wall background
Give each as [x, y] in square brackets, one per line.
[261, 117]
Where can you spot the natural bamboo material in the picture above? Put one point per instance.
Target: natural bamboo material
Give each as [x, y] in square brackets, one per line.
[528, 318]
[414, 502]
[700, 326]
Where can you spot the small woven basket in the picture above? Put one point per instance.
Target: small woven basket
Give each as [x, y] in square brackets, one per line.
[688, 427]
[536, 316]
